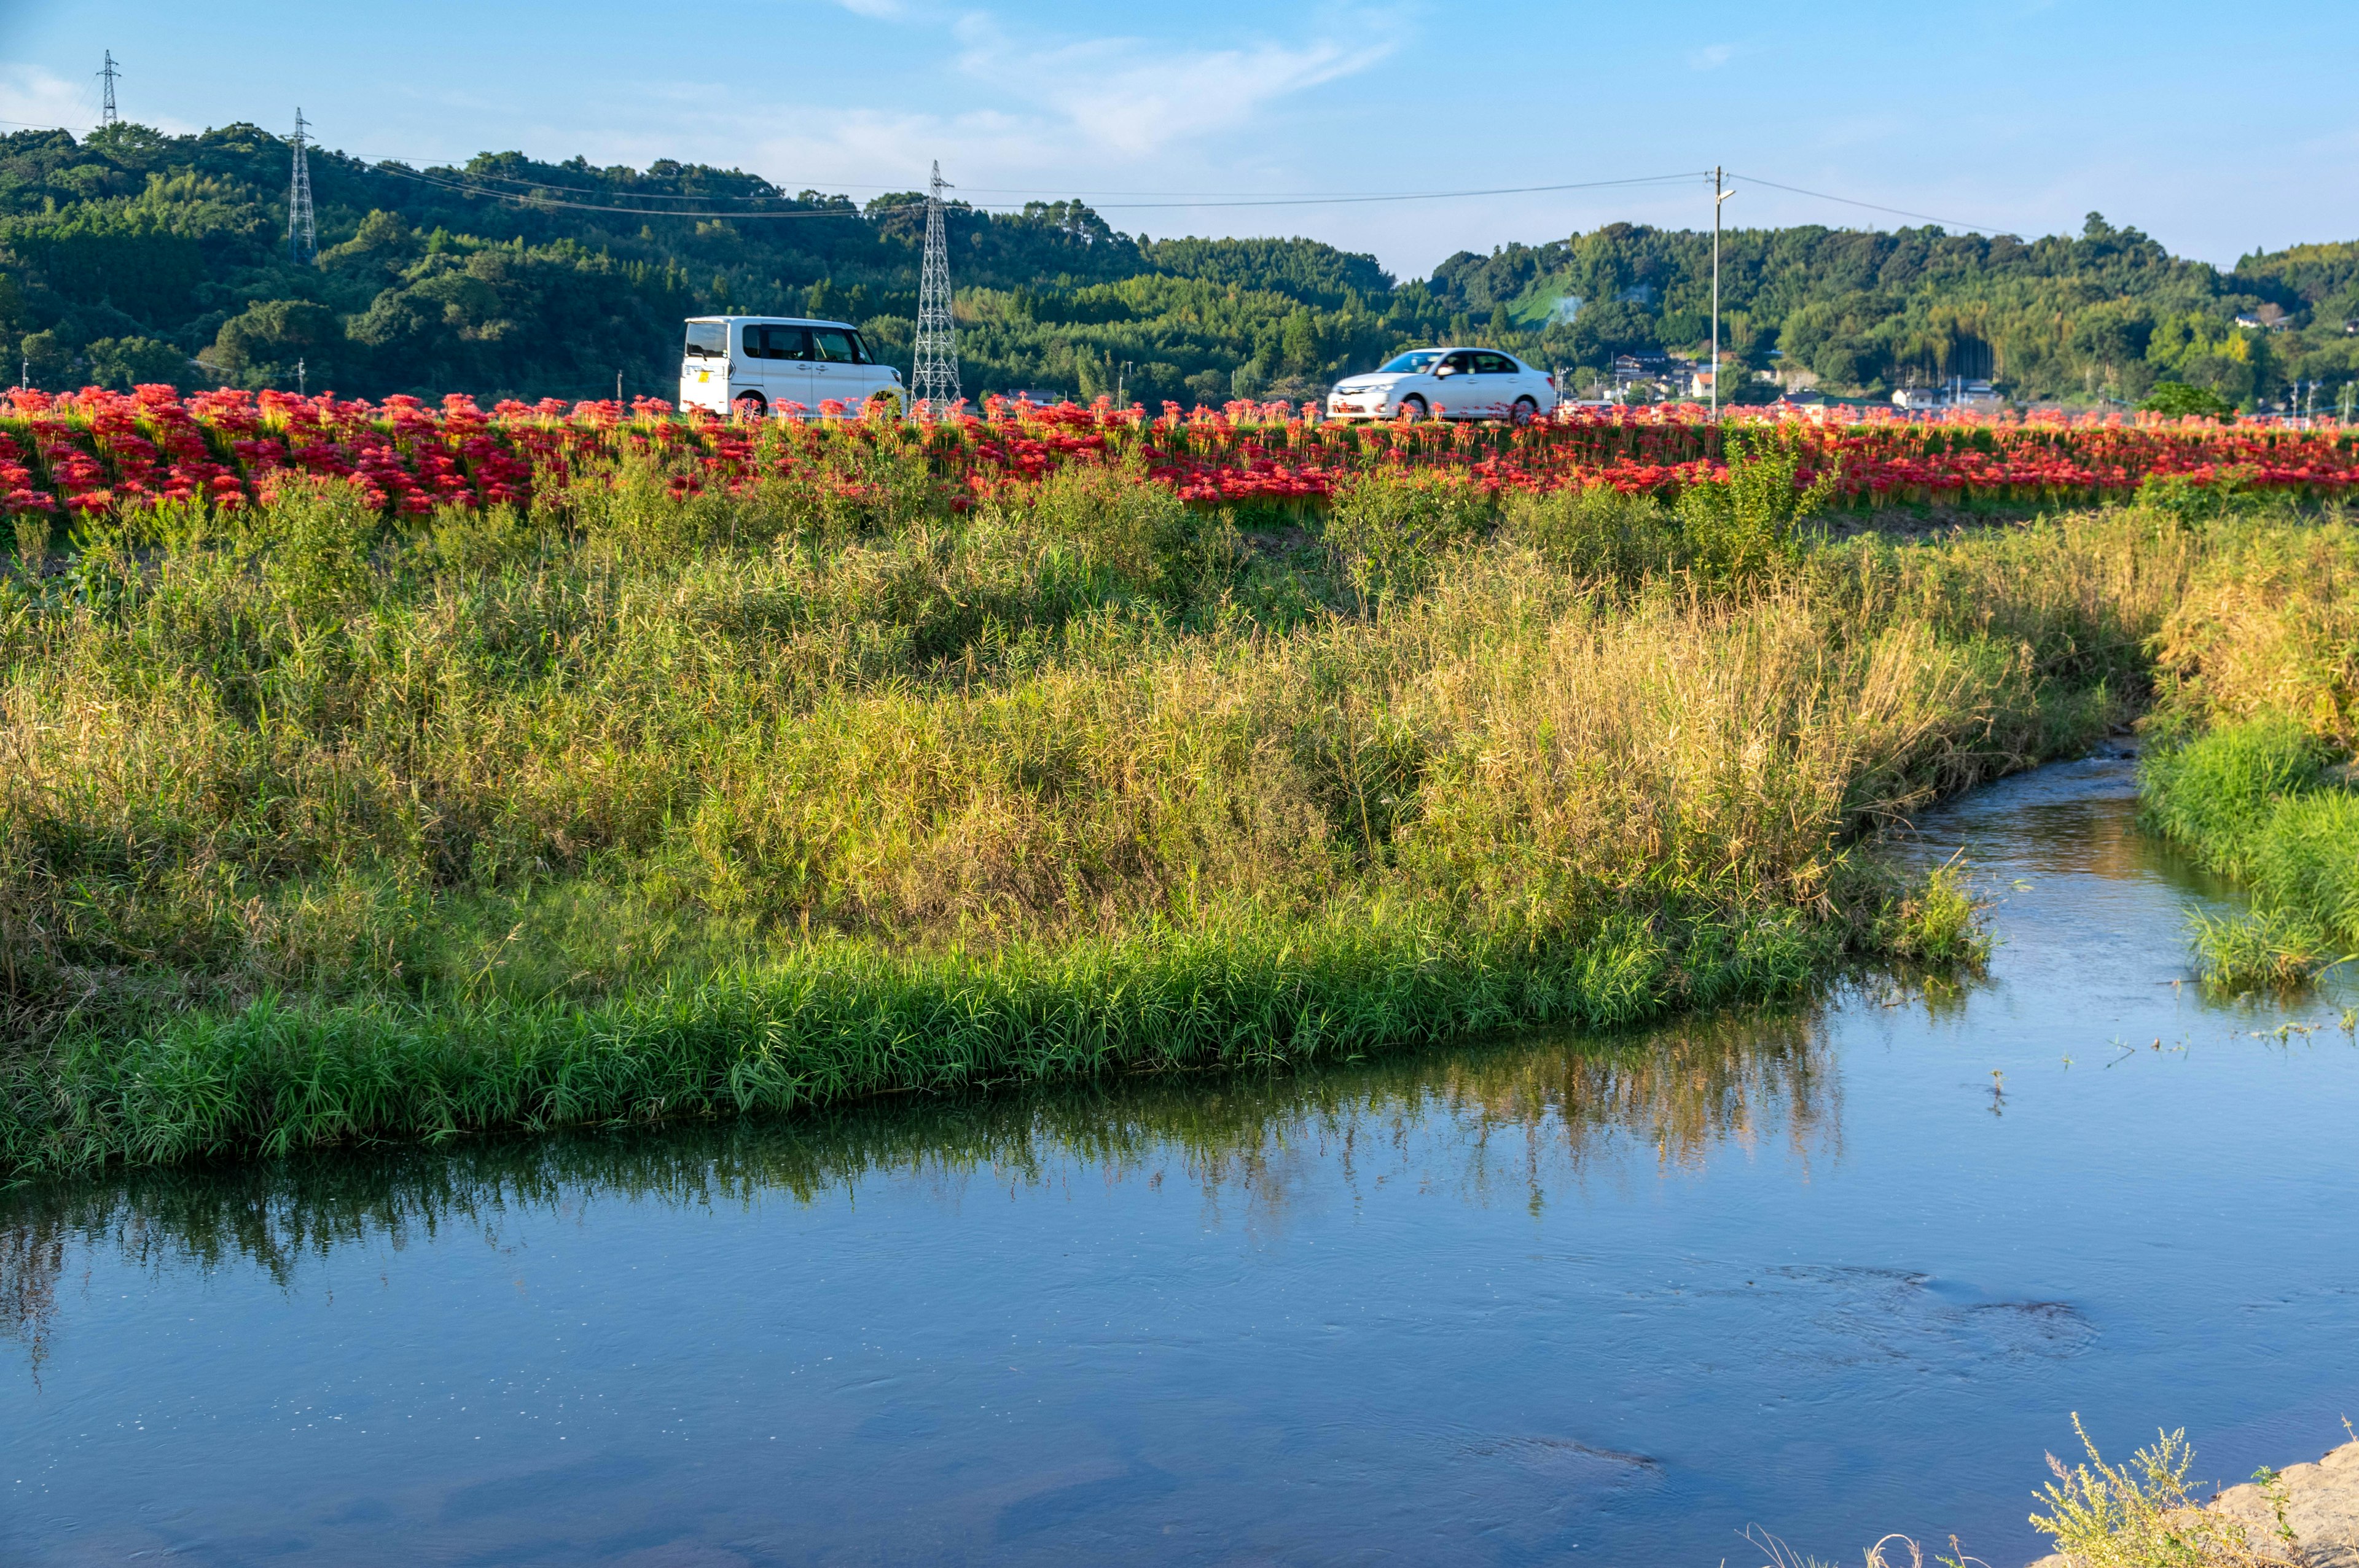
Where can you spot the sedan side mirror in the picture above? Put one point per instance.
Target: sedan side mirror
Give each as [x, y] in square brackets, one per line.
[1445, 369]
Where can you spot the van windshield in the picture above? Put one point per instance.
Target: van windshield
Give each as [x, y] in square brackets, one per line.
[708, 340]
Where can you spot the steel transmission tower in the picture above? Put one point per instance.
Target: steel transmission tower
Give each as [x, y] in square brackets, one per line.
[302, 238]
[106, 115]
[934, 377]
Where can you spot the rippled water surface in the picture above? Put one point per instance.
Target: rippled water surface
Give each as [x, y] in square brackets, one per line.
[1830, 1273]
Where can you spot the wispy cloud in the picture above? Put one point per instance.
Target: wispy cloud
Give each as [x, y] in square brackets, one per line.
[1053, 114]
[32, 96]
[1133, 97]
[882, 10]
[1711, 57]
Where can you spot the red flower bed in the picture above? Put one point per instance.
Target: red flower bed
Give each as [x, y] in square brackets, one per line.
[95, 451]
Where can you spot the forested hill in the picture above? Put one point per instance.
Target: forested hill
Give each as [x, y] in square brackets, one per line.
[130, 255]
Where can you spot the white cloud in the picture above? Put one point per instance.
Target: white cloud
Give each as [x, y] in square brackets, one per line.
[1711, 57]
[882, 10]
[31, 96]
[1133, 97]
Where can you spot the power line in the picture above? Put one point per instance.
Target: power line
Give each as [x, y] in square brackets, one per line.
[474, 185]
[1409, 195]
[536, 201]
[1872, 206]
[468, 186]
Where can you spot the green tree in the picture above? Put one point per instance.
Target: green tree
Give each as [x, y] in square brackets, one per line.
[2179, 400]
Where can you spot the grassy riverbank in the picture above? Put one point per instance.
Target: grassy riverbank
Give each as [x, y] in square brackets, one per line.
[2257, 713]
[313, 828]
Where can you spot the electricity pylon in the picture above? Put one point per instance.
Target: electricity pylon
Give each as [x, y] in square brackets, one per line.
[934, 375]
[106, 115]
[302, 237]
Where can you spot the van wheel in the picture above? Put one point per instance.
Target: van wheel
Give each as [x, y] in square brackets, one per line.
[751, 404]
[883, 405]
[1412, 408]
[1526, 410]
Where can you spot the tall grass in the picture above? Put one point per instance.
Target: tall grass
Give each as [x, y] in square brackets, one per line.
[2259, 666]
[648, 804]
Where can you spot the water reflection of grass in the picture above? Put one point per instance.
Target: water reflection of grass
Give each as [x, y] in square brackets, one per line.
[1503, 1121]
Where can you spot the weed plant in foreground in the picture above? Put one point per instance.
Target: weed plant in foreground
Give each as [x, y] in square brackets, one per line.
[646, 802]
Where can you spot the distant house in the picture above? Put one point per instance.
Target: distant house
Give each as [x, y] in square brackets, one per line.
[2268, 319]
[1955, 392]
[1730, 376]
[1673, 371]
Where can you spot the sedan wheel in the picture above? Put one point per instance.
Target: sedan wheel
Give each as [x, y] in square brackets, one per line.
[1412, 408]
[1526, 410]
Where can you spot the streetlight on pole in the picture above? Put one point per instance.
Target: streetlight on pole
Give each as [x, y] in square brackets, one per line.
[1718, 196]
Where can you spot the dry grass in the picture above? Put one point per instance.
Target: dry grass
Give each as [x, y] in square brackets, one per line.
[570, 760]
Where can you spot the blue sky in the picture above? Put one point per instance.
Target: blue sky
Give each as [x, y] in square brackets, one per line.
[2217, 128]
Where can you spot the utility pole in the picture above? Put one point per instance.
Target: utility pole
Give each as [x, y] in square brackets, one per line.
[302, 385]
[106, 115]
[618, 389]
[1718, 196]
[303, 236]
[934, 375]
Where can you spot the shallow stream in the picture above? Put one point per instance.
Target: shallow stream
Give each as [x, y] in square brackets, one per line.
[1829, 1273]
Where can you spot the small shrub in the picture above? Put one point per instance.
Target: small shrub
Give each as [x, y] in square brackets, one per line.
[2138, 1515]
[313, 540]
[1388, 532]
[32, 542]
[1142, 535]
[1940, 924]
[2189, 504]
[1738, 530]
[2176, 399]
[1596, 532]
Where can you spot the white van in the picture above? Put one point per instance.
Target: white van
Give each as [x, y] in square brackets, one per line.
[756, 364]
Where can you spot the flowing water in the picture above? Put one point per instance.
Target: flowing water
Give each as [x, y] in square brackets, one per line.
[1830, 1272]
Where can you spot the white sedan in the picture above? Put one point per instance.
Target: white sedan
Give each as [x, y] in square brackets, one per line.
[1446, 384]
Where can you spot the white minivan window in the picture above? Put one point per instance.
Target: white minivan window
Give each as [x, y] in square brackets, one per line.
[837, 346]
[776, 343]
[708, 340]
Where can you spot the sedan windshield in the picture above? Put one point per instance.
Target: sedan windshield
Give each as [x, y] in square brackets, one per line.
[1410, 364]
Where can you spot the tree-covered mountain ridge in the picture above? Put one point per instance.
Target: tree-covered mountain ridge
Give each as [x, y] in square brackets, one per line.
[133, 255]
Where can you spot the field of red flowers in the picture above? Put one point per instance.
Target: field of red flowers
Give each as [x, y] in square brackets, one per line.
[97, 452]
